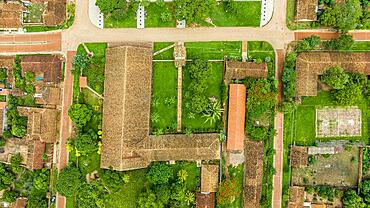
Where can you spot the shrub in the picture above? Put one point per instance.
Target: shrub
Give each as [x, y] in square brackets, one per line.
[348, 96]
[289, 79]
[228, 191]
[159, 173]
[69, 181]
[80, 114]
[344, 42]
[335, 77]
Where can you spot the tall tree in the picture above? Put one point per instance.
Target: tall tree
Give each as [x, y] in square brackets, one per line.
[80, 114]
[69, 181]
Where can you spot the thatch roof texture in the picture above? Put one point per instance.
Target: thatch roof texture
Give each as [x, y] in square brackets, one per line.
[306, 10]
[21, 202]
[209, 178]
[296, 197]
[253, 173]
[127, 144]
[241, 70]
[312, 64]
[11, 15]
[205, 200]
[236, 117]
[42, 123]
[47, 66]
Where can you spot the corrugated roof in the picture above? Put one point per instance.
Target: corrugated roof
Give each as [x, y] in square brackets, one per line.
[236, 117]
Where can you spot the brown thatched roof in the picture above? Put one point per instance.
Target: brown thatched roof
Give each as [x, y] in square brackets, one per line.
[127, 143]
[205, 200]
[312, 64]
[11, 15]
[21, 202]
[209, 178]
[47, 66]
[55, 12]
[306, 10]
[42, 123]
[242, 70]
[253, 174]
[296, 197]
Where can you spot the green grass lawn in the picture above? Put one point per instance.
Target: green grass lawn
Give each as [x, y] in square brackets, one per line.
[153, 18]
[166, 55]
[127, 196]
[213, 50]
[164, 101]
[214, 81]
[248, 14]
[262, 50]
[305, 119]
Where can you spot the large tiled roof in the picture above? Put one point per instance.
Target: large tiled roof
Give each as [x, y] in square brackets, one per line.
[48, 66]
[306, 10]
[241, 70]
[42, 123]
[205, 200]
[11, 15]
[55, 12]
[312, 64]
[253, 174]
[236, 117]
[127, 143]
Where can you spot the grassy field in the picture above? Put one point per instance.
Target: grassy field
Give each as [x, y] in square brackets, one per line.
[153, 18]
[248, 14]
[197, 124]
[164, 101]
[166, 55]
[213, 50]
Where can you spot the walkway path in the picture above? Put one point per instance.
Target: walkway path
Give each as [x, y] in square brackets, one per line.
[278, 161]
[179, 98]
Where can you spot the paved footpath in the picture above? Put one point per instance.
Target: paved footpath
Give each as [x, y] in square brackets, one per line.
[31, 42]
[278, 161]
[66, 123]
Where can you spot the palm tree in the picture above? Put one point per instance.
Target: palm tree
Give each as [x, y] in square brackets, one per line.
[214, 111]
[182, 174]
[189, 197]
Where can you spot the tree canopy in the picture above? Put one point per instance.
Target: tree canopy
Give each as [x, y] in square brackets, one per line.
[335, 77]
[87, 143]
[343, 16]
[194, 11]
[352, 200]
[159, 173]
[80, 114]
[69, 181]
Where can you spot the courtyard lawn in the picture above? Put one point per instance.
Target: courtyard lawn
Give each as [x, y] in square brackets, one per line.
[127, 196]
[213, 50]
[165, 55]
[153, 18]
[305, 122]
[248, 14]
[95, 69]
[215, 80]
[164, 101]
[35, 13]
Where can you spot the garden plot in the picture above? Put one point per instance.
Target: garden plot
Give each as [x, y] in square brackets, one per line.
[340, 170]
[338, 122]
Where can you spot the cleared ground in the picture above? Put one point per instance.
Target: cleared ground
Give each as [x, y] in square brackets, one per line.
[334, 170]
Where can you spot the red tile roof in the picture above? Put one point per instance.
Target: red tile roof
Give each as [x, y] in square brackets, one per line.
[83, 82]
[236, 119]
[38, 151]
